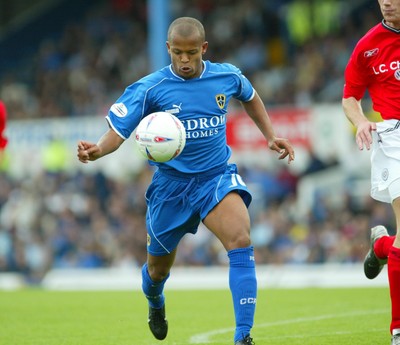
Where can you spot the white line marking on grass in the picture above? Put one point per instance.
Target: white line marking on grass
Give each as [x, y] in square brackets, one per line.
[320, 334]
[204, 338]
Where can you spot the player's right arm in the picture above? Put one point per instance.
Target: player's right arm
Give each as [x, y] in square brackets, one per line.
[353, 111]
[108, 143]
[357, 78]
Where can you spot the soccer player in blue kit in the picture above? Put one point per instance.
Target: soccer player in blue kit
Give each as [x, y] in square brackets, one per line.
[199, 185]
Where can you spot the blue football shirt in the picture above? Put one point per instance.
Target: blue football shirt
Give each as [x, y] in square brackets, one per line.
[200, 103]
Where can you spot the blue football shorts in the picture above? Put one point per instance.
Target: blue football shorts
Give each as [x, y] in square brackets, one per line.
[177, 202]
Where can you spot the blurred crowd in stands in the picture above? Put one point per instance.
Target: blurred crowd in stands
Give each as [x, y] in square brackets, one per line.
[293, 51]
[81, 220]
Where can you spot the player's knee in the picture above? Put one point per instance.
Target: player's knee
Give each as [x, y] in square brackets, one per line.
[157, 273]
[242, 240]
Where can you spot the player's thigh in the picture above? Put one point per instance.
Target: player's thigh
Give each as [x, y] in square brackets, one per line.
[229, 220]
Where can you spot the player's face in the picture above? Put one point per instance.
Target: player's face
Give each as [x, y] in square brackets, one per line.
[391, 12]
[187, 55]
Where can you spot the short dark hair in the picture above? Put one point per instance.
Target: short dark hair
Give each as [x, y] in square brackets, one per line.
[186, 26]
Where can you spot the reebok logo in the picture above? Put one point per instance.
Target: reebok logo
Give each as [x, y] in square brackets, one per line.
[372, 52]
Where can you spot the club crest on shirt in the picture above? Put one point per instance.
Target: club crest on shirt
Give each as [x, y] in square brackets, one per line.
[220, 99]
[372, 52]
[385, 174]
[397, 74]
[148, 240]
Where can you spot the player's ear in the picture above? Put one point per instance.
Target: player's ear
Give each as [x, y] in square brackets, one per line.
[204, 47]
[168, 47]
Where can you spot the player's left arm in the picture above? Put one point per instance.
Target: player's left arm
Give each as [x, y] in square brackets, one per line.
[256, 110]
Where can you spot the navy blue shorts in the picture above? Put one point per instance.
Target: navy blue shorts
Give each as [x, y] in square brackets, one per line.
[177, 202]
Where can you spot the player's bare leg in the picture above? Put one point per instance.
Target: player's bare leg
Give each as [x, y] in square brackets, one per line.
[230, 222]
[154, 275]
[396, 209]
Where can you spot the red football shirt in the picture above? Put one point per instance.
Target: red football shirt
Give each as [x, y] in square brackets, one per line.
[3, 119]
[375, 66]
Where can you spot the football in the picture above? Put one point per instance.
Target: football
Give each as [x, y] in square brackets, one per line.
[160, 137]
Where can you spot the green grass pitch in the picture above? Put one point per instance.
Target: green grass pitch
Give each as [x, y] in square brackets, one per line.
[284, 316]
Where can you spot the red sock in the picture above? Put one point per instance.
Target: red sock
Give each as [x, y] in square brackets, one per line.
[394, 285]
[382, 246]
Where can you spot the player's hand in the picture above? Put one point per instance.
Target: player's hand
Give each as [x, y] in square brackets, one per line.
[283, 147]
[87, 151]
[363, 135]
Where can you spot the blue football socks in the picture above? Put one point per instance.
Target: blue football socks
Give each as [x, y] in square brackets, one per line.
[153, 290]
[243, 285]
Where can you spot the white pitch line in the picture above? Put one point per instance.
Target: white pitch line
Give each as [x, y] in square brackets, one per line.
[321, 334]
[204, 338]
